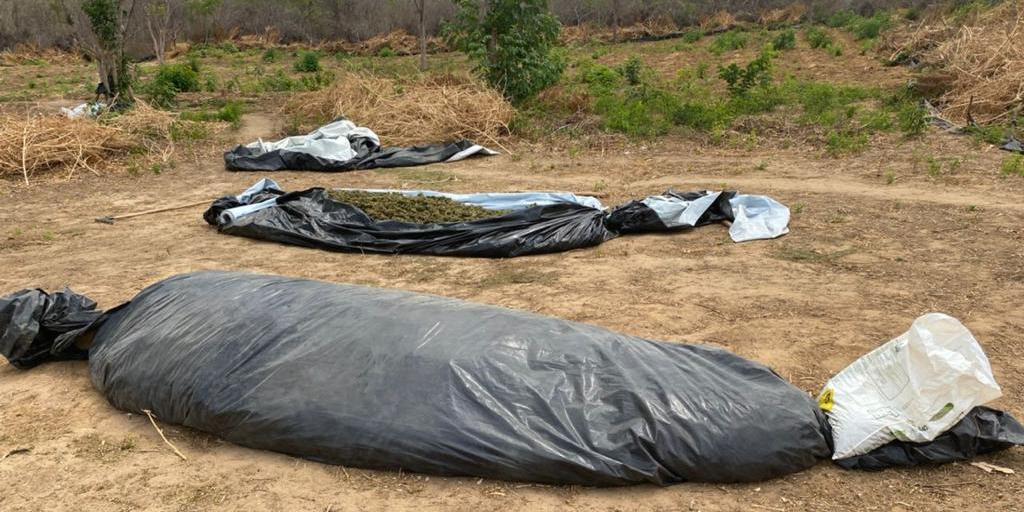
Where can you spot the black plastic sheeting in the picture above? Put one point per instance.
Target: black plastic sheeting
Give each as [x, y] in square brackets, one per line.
[983, 430]
[310, 218]
[388, 379]
[368, 156]
[1013, 145]
[39, 326]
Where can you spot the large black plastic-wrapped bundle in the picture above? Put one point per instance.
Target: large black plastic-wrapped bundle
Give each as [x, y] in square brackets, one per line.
[395, 380]
[389, 379]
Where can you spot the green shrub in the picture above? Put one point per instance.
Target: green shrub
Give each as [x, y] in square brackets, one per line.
[841, 19]
[818, 37]
[181, 77]
[729, 41]
[869, 28]
[835, 50]
[308, 62]
[643, 112]
[785, 40]
[701, 116]
[316, 81]
[630, 70]
[271, 55]
[525, 60]
[168, 82]
[692, 36]
[740, 81]
[160, 94]
[600, 77]
[912, 119]
[386, 51]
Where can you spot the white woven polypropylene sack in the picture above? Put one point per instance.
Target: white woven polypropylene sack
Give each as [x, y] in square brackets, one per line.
[913, 388]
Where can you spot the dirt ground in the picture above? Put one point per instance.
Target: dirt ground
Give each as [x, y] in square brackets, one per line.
[864, 258]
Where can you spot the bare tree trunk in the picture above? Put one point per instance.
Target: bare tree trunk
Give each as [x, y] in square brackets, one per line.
[158, 47]
[421, 5]
[615, 19]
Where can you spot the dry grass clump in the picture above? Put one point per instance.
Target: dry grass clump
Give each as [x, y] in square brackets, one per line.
[658, 28]
[984, 54]
[720, 21]
[36, 144]
[28, 54]
[792, 14]
[416, 111]
[398, 41]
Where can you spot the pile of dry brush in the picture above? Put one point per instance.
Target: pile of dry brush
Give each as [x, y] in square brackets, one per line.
[23, 54]
[417, 110]
[981, 59]
[55, 145]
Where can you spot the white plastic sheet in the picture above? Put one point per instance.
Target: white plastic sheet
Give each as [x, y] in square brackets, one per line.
[913, 388]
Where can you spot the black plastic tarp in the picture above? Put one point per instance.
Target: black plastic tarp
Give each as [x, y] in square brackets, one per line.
[389, 379]
[311, 218]
[342, 146]
[244, 158]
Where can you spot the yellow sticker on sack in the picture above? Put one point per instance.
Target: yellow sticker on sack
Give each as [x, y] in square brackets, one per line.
[827, 400]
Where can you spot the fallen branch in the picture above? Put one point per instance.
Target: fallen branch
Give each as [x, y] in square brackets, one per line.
[149, 415]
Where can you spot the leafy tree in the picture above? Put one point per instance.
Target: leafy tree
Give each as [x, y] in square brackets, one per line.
[162, 25]
[102, 26]
[203, 11]
[512, 41]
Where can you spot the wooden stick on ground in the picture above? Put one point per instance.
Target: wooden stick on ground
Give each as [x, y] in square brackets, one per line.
[149, 415]
[112, 218]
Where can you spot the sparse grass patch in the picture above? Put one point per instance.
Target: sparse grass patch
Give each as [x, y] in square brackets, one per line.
[1013, 165]
[810, 255]
[507, 275]
[97, 448]
[231, 112]
[840, 143]
[189, 131]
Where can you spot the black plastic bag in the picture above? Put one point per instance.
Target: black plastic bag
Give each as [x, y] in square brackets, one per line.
[39, 326]
[982, 431]
[388, 379]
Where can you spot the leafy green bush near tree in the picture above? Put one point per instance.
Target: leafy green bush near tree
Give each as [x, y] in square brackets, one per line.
[511, 42]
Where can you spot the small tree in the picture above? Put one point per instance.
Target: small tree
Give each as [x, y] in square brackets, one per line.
[161, 23]
[102, 27]
[512, 41]
[203, 11]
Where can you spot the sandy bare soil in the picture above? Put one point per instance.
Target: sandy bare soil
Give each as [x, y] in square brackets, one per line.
[865, 257]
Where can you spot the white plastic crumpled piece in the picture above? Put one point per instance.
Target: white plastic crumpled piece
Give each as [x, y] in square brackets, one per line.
[913, 388]
[757, 218]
